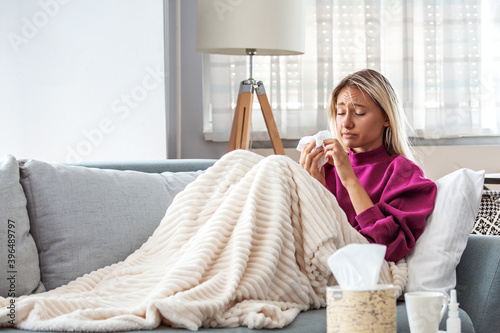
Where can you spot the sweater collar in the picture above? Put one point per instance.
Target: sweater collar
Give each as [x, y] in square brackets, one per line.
[368, 157]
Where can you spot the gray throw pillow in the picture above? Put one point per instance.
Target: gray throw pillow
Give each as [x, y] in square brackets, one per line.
[83, 219]
[19, 270]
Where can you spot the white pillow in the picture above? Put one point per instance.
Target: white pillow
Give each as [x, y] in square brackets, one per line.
[432, 263]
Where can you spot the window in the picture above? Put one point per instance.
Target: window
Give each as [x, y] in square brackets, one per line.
[442, 57]
[82, 79]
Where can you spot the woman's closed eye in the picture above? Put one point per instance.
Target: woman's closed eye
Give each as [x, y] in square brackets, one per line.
[356, 112]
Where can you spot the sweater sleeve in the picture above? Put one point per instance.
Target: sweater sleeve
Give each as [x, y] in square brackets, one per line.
[398, 219]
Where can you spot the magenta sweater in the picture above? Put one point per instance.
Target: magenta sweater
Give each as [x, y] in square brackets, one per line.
[403, 199]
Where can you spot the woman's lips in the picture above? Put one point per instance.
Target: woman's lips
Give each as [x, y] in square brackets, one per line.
[348, 135]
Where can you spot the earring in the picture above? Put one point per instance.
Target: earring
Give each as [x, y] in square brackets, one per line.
[388, 138]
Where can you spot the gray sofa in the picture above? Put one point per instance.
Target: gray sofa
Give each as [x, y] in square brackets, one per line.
[64, 216]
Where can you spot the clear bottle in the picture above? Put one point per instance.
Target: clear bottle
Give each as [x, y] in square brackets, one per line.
[453, 323]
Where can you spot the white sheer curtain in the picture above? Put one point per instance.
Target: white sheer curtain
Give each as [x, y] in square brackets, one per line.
[442, 56]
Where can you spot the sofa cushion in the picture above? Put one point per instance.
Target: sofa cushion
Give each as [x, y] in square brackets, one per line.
[432, 263]
[19, 270]
[83, 219]
[478, 282]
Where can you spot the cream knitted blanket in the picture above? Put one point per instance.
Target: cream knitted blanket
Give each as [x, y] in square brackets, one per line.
[244, 245]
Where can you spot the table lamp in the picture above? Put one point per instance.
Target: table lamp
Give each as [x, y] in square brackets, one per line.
[251, 27]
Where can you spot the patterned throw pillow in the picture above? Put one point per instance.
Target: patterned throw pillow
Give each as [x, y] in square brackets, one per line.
[488, 219]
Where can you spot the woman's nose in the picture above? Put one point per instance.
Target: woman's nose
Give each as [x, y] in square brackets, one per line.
[347, 121]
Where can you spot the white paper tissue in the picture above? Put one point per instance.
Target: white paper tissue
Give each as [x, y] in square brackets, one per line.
[319, 137]
[357, 266]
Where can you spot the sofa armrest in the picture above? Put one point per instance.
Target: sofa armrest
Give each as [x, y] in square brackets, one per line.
[478, 281]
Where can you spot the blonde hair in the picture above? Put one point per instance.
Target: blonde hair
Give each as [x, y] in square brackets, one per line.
[396, 139]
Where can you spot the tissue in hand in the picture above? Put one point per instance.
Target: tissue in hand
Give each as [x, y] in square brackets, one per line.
[357, 266]
[319, 137]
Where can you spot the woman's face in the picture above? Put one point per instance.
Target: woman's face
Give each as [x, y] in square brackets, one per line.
[360, 121]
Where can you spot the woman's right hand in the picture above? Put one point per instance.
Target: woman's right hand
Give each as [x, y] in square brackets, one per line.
[309, 161]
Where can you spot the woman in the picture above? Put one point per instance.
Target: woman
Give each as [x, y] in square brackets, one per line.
[383, 193]
[247, 243]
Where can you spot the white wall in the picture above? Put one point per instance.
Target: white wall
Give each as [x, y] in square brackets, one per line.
[82, 79]
[438, 161]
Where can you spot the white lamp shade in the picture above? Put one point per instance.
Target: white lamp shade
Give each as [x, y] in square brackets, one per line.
[271, 27]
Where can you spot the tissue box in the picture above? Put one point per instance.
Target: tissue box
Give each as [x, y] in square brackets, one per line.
[361, 310]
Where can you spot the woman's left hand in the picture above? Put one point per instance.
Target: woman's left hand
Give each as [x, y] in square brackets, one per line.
[339, 158]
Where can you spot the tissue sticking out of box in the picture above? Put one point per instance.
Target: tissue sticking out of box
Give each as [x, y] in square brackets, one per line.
[357, 266]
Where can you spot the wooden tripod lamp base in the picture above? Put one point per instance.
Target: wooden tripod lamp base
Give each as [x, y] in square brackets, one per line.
[240, 132]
